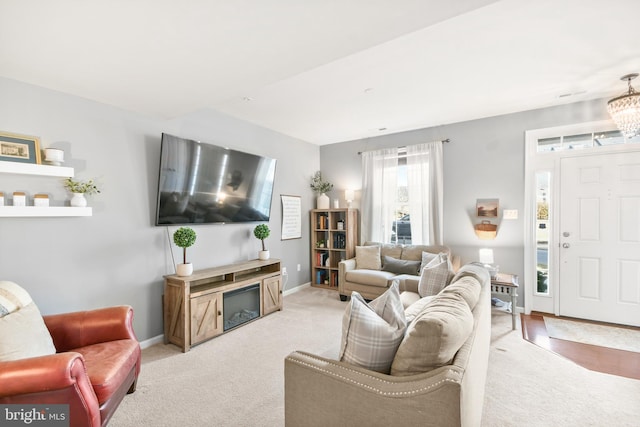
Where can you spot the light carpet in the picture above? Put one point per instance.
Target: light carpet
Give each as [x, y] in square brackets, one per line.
[237, 379]
[594, 334]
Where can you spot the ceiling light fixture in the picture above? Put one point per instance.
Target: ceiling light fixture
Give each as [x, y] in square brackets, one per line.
[625, 109]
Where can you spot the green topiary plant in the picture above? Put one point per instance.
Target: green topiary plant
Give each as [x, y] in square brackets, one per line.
[262, 232]
[183, 238]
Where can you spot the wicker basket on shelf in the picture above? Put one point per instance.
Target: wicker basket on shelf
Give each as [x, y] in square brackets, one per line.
[485, 230]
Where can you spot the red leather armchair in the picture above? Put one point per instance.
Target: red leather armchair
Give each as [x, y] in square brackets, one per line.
[96, 365]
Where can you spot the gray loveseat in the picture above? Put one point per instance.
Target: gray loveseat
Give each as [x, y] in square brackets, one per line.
[372, 283]
[320, 391]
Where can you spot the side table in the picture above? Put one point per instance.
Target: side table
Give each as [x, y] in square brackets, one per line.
[507, 284]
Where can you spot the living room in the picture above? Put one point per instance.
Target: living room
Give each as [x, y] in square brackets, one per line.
[117, 256]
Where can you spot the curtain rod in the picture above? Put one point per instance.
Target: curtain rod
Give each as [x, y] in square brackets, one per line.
[444, 141]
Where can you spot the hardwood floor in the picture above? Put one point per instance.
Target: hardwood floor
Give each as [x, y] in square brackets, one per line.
[601, 359]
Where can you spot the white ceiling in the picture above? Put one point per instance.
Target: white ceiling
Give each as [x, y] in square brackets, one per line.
[324, 71]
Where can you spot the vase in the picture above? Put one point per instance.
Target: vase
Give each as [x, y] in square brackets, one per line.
[323, 201]
[263, 255]
[184, 269]
[78, 200]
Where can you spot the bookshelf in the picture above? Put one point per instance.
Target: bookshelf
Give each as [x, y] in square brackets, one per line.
[334, 236]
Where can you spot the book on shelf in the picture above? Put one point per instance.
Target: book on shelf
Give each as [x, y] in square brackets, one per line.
[323, 222]
[324, 257]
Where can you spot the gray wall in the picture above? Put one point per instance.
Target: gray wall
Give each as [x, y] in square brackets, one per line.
[485, 159]
[117, 256]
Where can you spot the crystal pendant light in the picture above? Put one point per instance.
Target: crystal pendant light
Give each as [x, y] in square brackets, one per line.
[625, 109]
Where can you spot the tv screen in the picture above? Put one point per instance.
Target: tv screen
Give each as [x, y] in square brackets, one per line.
[202, 183]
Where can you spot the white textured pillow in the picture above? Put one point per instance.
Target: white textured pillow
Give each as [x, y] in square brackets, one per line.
[368, 258]
[427, 257]
[23, 333]
[12, 297]
[371, 333]
[434, 278]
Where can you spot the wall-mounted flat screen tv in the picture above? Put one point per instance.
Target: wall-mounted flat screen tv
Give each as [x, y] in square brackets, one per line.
[201, 183]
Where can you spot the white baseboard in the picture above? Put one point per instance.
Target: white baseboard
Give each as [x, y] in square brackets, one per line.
[151, 341]
[296, 289]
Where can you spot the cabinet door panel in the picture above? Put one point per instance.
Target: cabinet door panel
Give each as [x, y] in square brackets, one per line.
[272, 294]
[206, 317]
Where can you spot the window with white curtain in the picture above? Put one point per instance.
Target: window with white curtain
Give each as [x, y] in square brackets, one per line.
[402, 194]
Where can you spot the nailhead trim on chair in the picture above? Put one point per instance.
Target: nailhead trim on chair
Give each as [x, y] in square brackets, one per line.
[377, 390]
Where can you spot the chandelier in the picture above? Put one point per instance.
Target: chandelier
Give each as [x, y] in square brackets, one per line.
[625, 109]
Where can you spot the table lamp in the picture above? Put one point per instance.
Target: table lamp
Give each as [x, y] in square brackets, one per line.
[349, 196]
[485, 256]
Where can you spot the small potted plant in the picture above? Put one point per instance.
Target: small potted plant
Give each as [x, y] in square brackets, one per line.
[262, 232]
[183, 238]
[79, 190]
[320, 186]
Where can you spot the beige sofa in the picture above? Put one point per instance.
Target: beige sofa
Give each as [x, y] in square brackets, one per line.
[372, 283]
[323, 392]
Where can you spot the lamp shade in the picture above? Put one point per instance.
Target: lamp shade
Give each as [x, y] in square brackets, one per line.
[349, 195]
[485, 256]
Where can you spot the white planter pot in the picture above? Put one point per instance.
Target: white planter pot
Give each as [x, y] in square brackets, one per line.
[323, 201]
[184, 269]
[263, 255]
[78, 200]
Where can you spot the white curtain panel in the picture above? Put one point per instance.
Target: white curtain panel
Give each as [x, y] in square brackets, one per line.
[379, 193]
[424, 180]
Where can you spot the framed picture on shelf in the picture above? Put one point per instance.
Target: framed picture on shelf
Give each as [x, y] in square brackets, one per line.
[19, 148]
[487, 208]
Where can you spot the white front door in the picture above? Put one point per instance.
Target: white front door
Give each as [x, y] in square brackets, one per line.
[600, 237]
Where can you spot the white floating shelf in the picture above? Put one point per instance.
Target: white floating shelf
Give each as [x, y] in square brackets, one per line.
[33, 211]
[33, 169]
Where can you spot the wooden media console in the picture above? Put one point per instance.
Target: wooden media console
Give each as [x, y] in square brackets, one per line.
[194, 305]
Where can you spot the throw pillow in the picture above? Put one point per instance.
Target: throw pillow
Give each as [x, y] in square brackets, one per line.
[411, 312]
[12, 297]
[371, 333]
[400, 266]
[434, 278]
[368, 258]
[434, 337]
[22, 329]
[467, 287]
[427, 257]
[479, 272]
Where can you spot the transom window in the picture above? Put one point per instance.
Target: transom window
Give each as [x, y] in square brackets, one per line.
[584, 140]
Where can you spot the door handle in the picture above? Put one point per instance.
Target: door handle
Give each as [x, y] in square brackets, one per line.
[566, 245]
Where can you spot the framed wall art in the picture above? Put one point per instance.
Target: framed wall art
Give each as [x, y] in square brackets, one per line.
[487, 208]
[19, 148]
[291, 217]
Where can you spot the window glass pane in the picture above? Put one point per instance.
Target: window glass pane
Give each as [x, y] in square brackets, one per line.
[401, 227]
[634, 140]
[543, 227]
[549, 144]
[576, 142]
[601, 139]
